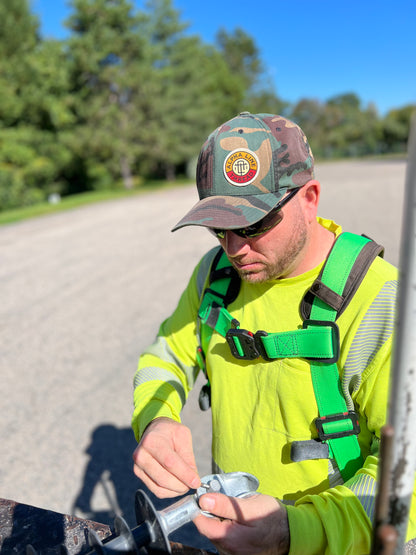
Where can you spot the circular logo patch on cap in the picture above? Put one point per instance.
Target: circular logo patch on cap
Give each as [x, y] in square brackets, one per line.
[241, 167]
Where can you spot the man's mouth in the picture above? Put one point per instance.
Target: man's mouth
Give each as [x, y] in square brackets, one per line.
[246, 266]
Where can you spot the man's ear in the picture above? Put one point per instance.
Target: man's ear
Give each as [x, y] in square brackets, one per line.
[311, 192]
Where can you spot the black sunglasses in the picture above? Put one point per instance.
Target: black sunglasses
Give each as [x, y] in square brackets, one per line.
[269, 221]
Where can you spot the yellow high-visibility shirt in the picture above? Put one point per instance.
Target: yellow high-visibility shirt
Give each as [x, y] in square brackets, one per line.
[259, 408]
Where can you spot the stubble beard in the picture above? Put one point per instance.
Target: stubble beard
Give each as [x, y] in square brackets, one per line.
[285, 264]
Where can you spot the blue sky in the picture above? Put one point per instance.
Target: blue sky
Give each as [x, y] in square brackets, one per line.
[311, 49]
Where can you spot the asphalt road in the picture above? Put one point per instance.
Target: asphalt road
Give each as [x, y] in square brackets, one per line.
[82, 293]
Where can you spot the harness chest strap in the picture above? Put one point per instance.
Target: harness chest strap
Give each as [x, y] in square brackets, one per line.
[312, 342]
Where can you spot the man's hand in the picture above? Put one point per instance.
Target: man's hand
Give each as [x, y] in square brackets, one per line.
[164, 459]
[257, 524]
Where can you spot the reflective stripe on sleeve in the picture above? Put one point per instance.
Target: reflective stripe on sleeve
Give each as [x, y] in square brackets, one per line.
[152, 373]
[162, 350]
[364, 487]
[375, 329]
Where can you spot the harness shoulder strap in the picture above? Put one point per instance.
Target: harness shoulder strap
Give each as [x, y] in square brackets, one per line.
[339, 302]
[223, 288]
[345, 268]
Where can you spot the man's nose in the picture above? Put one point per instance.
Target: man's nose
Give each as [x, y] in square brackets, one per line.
[234, 245]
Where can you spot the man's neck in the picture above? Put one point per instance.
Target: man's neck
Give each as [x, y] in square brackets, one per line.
[317, 247]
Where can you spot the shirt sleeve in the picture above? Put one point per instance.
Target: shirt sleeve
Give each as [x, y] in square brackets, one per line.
[340, 519]
[167, 369]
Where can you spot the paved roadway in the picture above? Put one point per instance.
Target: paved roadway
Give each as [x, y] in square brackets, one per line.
[82, 293]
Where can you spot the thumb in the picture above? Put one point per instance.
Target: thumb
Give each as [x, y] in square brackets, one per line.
[223, 506]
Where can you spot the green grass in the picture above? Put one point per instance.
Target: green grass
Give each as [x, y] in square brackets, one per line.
[75, 201]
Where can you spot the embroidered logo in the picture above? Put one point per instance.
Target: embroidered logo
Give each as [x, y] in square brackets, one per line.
[241, 167]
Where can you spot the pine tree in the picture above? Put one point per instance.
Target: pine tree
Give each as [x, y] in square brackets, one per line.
[33, 107]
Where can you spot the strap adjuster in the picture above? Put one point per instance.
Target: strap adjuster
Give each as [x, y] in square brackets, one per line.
[242, 344]
[335, 338]
[260, 345]
[332, 419]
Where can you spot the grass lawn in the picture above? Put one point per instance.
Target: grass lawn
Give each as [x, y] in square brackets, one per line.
[74, 201]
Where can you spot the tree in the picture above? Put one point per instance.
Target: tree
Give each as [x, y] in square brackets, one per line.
[19, 36]
[339, 127]
[33, 107]
[349, 129]
[134, 93]
[108, 68]
[265, 100]
[396, 128]
[250, 89]
[18, 29]
[308, 114]
[345, 101]
[194, 89]
[241, 55]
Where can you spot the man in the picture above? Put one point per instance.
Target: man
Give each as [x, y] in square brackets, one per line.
[271, 395]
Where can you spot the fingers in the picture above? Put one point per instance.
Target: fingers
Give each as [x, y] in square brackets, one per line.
[253, 525]
[228, 536]
[159, 481]
[226, 532]
[183, 447]
[164, 459]
[231, 508]
[164, 472]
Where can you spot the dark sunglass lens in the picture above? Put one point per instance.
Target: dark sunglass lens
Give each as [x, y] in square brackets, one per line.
[272, 219]
[249, 231]
[269, 221]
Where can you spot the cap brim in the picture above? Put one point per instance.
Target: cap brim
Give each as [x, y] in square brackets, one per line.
[230, 212]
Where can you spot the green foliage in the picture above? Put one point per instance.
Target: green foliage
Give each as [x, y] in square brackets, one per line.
[396, 128]
[14, 192]
[35, 109]
[18, 29]
[341, 127]
[132, 94]
[103, 53]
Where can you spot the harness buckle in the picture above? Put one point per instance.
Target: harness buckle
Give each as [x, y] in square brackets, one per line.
[321, 421]
[260, 345]
[335, 338]
[242, 344]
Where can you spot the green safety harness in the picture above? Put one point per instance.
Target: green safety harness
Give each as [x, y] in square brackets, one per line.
[318, 341]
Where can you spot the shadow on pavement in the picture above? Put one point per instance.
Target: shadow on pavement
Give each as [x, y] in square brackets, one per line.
[110, 473]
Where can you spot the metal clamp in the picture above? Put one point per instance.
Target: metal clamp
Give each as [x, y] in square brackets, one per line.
[233, 484]
[155, 526]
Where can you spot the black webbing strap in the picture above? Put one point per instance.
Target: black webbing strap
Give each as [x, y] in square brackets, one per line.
[338, 302]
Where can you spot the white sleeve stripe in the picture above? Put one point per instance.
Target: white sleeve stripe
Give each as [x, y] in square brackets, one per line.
[151, 373]
[364, 487]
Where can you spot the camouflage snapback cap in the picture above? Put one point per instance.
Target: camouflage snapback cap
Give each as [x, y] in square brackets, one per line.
[245, 167]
